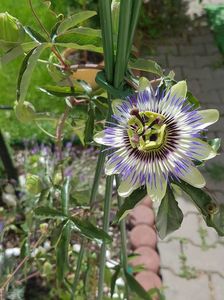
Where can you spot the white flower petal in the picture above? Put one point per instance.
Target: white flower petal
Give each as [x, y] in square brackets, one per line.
[204, 152]
[156, 193]
[179, 90]
[110, 168]
[126, 188]
[98, 137]
[115, 104]
[194, 177]
[209, 117]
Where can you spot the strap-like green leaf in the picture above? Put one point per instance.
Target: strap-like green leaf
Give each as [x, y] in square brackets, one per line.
[169, 216]
[75, 20]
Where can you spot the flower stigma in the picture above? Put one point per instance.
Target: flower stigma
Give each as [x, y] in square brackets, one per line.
[146, 130]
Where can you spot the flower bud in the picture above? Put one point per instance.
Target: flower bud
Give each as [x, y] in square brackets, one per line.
[11, 31]
[25, 112]
[33, 184]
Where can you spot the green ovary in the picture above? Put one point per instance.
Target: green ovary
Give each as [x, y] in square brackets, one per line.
[147, 131]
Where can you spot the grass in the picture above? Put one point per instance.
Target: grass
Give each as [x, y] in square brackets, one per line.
[8, 76]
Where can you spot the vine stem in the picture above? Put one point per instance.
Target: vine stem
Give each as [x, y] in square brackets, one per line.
[20, 264]
[38, 19]
[59, 131]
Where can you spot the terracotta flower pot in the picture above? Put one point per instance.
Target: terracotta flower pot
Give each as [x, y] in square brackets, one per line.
[74, 57]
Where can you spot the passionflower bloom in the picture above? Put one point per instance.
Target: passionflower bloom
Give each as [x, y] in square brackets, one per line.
[157, 138]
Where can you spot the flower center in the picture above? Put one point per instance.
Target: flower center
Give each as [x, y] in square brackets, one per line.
[147, 130]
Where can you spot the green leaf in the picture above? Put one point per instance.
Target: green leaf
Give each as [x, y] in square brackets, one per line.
[136, 287]
[11, 55]
[75, 20]
[117, 93]
[146, 65]
[79, 88]
[88, 133]
[27, 69]
[80, 38]
[86, 31]
[74, 45]
[113, 279]
[212, 212]
[129, 204]
[90, 231]
[169, 216]
[62, 252]
[35, 36]
[215, 143]
[47, 212]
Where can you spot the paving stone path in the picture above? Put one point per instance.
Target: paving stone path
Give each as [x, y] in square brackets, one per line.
[192, 257]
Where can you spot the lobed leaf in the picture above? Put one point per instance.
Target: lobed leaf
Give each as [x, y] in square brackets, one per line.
[146, 65]
[47, 212]
[90, 231]
[129, 203]
[27, 69]
[74, 20]
[34, 35]
[212, 212]
[79, 88]
[136, 287]
[169, 216]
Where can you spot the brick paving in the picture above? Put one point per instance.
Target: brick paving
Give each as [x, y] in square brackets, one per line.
[192, 257]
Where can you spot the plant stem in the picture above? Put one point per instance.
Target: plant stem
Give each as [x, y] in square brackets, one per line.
[106, 219]
[78, 269]
[38, 19]
[98, 171]
[124, 257]
[122, 42]
[21, 263]
[107, 35]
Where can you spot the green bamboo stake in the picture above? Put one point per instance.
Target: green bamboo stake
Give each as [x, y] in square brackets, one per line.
[107, 35]
[134, 21]
[122, 42]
